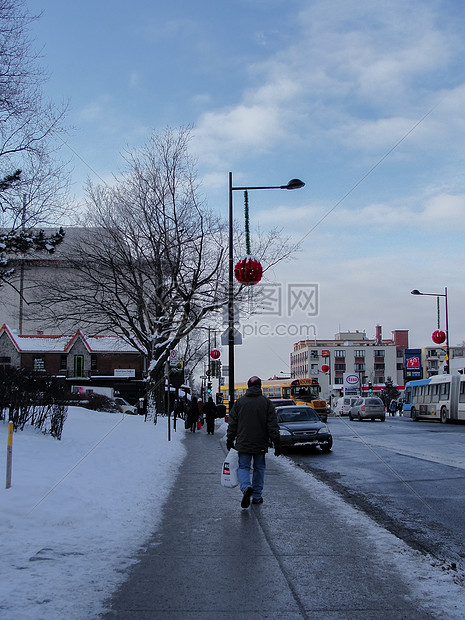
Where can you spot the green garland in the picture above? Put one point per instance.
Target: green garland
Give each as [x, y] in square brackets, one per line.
[247, 228]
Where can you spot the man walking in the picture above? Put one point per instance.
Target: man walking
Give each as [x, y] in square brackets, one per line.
[253, 423]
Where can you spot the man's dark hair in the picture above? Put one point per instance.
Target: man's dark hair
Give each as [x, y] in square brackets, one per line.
[254, 382]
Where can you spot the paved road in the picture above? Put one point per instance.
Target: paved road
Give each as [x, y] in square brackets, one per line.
[301, 554]
[409, 476]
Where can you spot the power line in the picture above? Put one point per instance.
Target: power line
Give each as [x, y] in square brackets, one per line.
[82, 159]
[366, 175]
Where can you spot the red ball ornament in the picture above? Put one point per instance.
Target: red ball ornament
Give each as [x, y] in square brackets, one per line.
[248, 271]
[325, 368]
[215, 354]
[438, 336]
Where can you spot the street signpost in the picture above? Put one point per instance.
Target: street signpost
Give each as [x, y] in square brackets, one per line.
[237, 337]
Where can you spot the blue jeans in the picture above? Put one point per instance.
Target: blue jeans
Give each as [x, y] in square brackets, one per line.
[258, 475]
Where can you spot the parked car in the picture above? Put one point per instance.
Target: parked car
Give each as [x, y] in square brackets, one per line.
[301, 425]
[124, 406]
[369, 408]
[282, 402]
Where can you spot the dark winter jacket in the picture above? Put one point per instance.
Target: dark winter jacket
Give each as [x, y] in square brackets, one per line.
[193, 412]
[253, 422]
[209, 410]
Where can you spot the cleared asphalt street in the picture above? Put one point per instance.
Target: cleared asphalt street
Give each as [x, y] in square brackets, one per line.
[409, 476]
[302, 554]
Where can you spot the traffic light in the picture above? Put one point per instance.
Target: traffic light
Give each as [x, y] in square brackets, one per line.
[209, 388]
[370, 387]
[215, 368]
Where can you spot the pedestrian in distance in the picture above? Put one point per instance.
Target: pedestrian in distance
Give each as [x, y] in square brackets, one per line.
[201, 413]
[209, 410]
[193, 414]
[252, 424]
[393, 407]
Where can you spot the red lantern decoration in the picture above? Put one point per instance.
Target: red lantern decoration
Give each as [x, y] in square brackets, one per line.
[215, 354]
[438, 336]
[248, 271]
[325, 368]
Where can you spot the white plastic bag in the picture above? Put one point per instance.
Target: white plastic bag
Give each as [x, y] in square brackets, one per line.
[229, 476]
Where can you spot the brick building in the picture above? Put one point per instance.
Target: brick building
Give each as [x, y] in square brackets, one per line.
[96, 360]
[373, 360]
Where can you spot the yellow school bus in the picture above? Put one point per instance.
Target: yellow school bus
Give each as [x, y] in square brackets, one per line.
[307, 392]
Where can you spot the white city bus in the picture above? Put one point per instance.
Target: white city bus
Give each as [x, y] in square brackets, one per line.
[441, 397]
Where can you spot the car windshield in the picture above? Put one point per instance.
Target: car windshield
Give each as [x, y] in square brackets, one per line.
[294, 414]
[374, 401]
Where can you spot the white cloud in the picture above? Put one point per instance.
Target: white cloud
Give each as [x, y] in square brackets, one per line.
[445, 212]
[228, 132]
[429, 213]
[352, 76]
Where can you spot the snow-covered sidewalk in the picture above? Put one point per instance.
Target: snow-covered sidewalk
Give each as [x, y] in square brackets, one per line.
[78, 508]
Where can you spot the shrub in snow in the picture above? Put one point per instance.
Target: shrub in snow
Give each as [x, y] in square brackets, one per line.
[35, 398]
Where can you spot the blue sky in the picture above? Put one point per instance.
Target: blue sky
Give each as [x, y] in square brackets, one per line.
[275, 89]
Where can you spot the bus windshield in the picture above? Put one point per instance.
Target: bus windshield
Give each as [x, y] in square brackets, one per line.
[305, 392]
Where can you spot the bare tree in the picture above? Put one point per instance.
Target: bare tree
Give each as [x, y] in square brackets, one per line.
[33, 182]
[151, 263]
[38, 197]
[27, 122]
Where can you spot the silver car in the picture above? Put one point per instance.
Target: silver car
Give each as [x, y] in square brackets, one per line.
[370, 408]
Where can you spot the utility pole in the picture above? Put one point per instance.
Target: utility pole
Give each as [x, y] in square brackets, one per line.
[21, 272]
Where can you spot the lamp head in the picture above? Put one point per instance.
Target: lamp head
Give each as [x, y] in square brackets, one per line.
[415, 292]
[294, 184]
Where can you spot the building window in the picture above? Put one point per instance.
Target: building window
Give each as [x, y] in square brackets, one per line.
[379, 366]
[379, 353]
[93, 362]
[339, 367]
[359, 367]
[339, 353]
[38, 363]
[359, 353]
[5, 361]
[78, 365]
[338, 380]
[63, 362]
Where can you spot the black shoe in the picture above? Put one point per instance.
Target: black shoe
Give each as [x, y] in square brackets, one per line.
[245, 503]
[257, 500]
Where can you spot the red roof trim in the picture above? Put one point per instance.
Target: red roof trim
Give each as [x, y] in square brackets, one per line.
[6, 329]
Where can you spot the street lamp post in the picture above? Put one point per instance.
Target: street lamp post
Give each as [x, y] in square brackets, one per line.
[438, 295]
[293, 184]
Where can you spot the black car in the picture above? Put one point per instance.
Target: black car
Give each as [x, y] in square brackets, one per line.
[300, 425]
